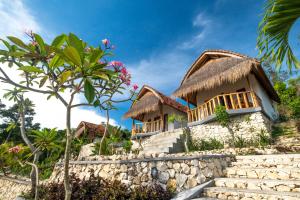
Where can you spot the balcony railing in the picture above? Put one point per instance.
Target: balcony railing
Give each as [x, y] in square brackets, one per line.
[231, 101]
[147, 127]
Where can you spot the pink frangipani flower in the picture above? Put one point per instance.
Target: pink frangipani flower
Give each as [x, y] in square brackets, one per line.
[15, 149]
[105, 42]
[135, 87]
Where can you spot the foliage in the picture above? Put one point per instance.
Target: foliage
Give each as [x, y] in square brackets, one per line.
[289, 97]
[9, 126]
[177, 118]
[264, 139]
[8, 158]
[127, 144]
[210, 144]
[67, 65]
[222, 116]
[97, 188]
[274, 29]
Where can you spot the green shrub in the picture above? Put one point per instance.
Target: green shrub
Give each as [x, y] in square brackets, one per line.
[97, 188]
[222, 116]
[127, 144]
[209, 144]
[264, 139]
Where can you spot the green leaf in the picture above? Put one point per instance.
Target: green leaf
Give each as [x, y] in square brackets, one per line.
[96, 55]
[18, 42]
[64, 76]
[96, 103]
[72, 55]
[59, 40]
[30, 69]
[89, 91]
[6, 44]
[40, 42]
[43, 81]
[102, 76]
[56, 61]
[75, 42]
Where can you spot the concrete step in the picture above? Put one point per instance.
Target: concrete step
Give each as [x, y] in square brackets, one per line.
[205, 198]
[294, 164]
[264, 173]
[157, 150]
[259, 184]
[245, 194]
[159, 137]
[163, 142]
[280, 158]
[166, 134]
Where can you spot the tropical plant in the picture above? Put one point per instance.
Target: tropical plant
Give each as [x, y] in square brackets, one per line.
[274, 29]
[101, 189]
[67, 65]
[209, 144]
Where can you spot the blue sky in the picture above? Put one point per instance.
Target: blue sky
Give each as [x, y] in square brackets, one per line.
[157, 40]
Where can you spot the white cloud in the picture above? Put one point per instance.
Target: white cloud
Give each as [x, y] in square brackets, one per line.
[204, 25]
[165, 70]
[160, 72]
[15, 18]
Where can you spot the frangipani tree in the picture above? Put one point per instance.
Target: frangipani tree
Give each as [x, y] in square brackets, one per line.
[67, 66]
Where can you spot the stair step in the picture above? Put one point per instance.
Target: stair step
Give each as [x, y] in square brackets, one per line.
[259, 184]
[164, 142]
[269, 158]
[157, 150]
[233, 193]
[159, 137]
[205, 198]
[294, 164]
[264, 173]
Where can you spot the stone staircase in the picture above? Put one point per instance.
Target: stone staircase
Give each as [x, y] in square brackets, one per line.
[165, 142]
[261, 177]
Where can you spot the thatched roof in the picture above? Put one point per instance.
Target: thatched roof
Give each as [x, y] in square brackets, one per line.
[149, 100]
[92, 130]
[217, 67]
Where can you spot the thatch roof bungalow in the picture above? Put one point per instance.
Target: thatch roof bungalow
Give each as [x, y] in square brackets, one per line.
[90, 130]
[152, 109]
[220, 77]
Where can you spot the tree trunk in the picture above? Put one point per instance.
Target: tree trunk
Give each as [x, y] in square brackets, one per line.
[36, 175]
[105, 132]
[34, 170]
[68, 190]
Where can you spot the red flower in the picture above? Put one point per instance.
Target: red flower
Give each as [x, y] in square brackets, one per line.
[124, 71]
[135, 87]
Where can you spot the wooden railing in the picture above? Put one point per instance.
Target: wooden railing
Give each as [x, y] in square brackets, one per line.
[147, 127]
[231, 101]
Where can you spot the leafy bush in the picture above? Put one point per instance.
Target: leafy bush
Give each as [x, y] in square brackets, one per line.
[97, 188]
[222, 116]
[210, 144]
[127, 144]
[264, 139]
[240, 142]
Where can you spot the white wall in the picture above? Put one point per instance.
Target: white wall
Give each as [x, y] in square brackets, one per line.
[267, 102]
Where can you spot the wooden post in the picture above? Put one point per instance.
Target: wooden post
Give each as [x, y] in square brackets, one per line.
[162, 118]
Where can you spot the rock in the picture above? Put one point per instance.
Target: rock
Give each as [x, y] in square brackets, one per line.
[195, 171]
[171, 173]
[163, 177]
[191, 182]
[162, 166]
[176, 167]
[181, 179]
[185, 168]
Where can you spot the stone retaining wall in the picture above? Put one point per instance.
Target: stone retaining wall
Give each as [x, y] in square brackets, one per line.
[248, 126]
[178, 172]
[10, 188]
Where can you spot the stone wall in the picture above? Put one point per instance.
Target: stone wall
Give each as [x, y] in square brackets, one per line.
[248, 126]
[10, 188]
[174, 170]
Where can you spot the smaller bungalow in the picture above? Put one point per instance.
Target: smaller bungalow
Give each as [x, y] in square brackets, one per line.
[150, 112]
[90, 130]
